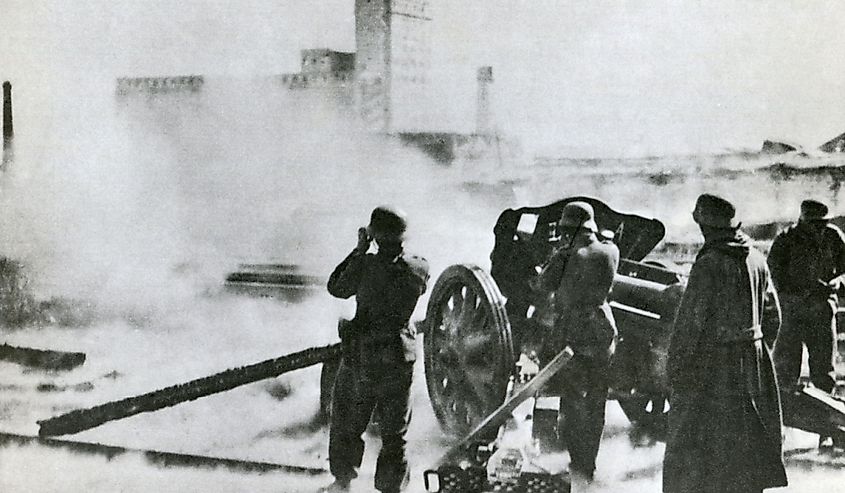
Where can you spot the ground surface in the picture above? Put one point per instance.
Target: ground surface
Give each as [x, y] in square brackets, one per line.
[267, 421]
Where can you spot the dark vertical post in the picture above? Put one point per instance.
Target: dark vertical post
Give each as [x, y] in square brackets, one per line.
[8, 130]
[483, 111]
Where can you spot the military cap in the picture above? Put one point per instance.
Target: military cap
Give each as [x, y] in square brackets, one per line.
[715, 212]
[813, 210]
[579, 215]
[388, 220]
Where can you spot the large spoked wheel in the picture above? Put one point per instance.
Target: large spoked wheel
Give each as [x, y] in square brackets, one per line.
[469, 353]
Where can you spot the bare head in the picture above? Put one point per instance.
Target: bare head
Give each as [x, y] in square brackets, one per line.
[814, 214]
[713, 213]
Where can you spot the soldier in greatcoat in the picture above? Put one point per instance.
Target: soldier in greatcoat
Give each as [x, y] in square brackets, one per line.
[725, 419]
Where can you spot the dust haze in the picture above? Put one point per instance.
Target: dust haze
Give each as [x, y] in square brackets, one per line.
[141, 207]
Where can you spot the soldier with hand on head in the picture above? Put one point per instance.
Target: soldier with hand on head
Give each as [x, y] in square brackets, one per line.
[725, 419]
[379, 351]
[580, 274]
[807, 261]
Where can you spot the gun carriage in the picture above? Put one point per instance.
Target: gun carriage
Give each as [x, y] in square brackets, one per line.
[477, 323]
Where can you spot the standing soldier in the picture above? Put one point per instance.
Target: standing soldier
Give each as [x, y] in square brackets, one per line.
[808, 263]
[725, 420]
[580, 275]
[379, 352]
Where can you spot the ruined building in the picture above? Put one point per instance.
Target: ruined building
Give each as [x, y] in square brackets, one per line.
[330, 72]
[387, 76]
[386, 82]
[323, 65]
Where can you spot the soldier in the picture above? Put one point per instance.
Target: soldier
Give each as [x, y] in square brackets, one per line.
[379, 351]
[580, 274]
[725, 421]
[808, 265]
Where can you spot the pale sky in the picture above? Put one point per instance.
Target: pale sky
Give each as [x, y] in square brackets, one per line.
[608, 77]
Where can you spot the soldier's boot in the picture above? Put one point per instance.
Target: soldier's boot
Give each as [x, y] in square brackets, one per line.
[581, 482]
[338, 486]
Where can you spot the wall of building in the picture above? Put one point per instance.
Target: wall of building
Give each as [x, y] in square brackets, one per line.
[410, 65]
[322, 61]
[393, 63]
[388, 75]
[329, 72]
[372, 64]
[338, 88]
[159, 85]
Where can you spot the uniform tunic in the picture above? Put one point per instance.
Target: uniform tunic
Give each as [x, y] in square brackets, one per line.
[376, 374]
[800, 260]
[581, 280]
[725, 420]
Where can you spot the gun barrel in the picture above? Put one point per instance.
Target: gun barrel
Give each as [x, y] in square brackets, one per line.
[84, 419]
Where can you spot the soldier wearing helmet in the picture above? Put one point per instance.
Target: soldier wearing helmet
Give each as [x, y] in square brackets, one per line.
[379, 351]
[580, 275]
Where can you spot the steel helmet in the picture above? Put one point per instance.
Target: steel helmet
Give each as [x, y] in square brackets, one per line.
[579, 215]
[388, 221]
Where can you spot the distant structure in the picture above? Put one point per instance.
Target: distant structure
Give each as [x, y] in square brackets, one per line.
[484, 145]
[386, 79]
[8, 129]
[484, 118]
[837, 144]
[392, 72]
[386, 82]
[322, 68]
[779, 147]
[327, 71]
[392, 39]
[159, 85]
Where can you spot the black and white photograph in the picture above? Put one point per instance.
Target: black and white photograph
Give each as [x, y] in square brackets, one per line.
[473, 246]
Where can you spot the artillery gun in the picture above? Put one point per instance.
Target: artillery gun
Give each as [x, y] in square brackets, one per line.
[477, 322]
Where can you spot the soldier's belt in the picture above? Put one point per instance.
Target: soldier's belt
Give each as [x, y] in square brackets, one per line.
[727, 335]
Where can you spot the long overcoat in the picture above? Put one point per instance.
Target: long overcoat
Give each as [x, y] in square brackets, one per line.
[725, 417]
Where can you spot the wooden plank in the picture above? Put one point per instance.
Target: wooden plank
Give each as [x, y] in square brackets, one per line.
[84, 419]
[47, 359]
[167, 459]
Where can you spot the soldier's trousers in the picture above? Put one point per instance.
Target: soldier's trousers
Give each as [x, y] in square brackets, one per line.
[583, 394]
[356, 395]
[811, 323]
